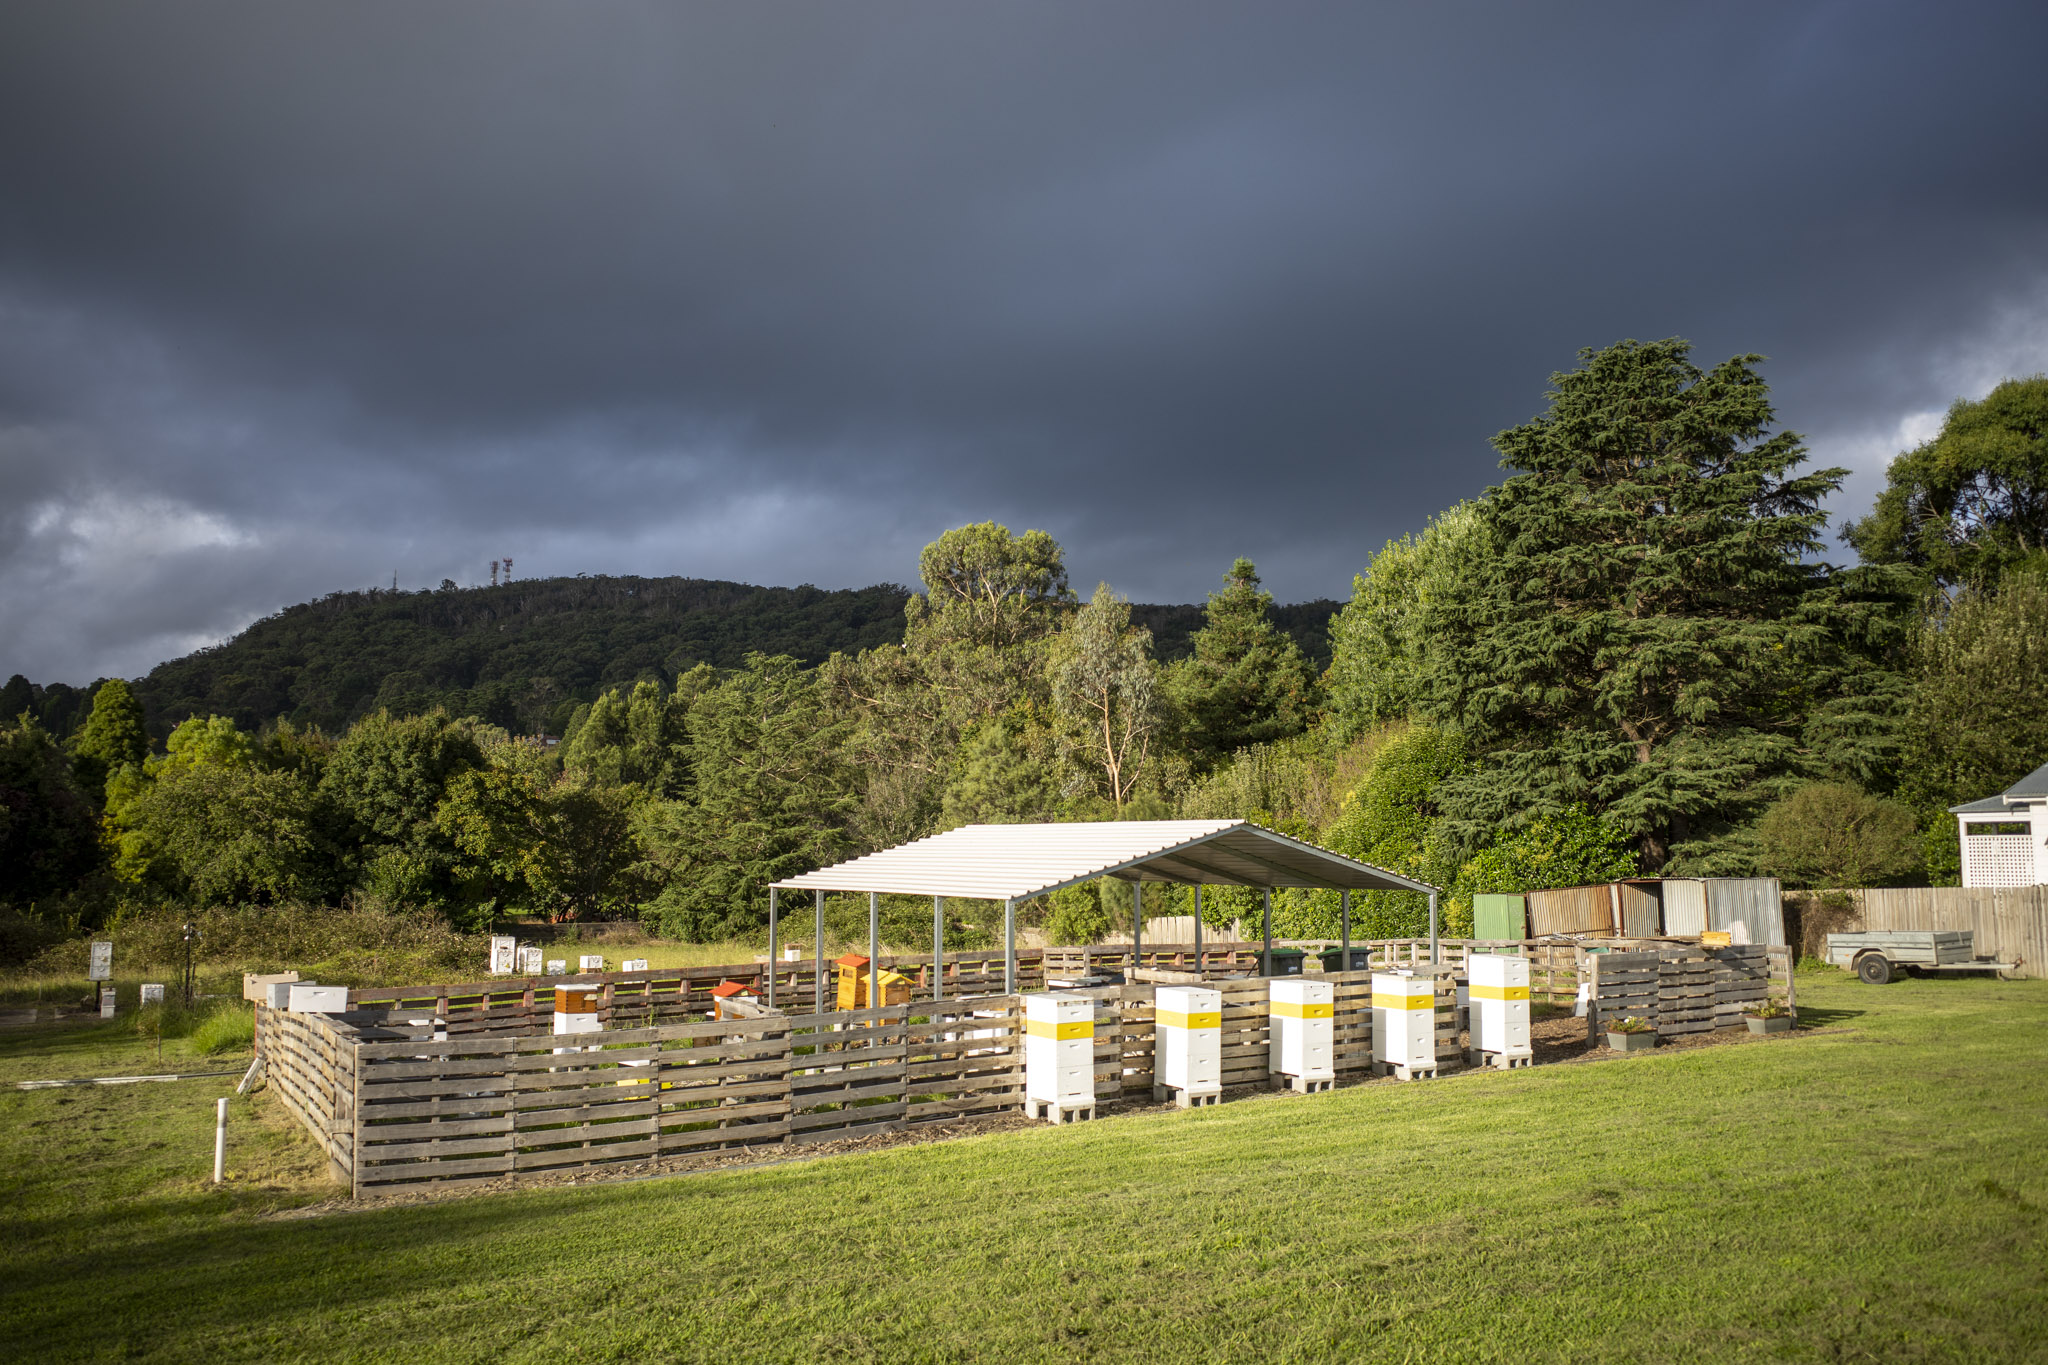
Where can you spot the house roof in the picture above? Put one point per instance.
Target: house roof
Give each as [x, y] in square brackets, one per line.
[1015, 862]
[2032, 787]
[2029, 789]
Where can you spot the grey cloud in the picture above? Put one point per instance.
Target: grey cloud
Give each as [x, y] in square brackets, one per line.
[778, 292]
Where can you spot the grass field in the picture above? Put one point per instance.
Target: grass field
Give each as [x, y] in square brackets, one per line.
[1873, 1190]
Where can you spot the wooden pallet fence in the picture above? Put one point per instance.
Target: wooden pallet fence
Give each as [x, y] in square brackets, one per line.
[672, 994]
[1351, 1034]
[1742, 980]
[311, 1069]
[1624, 986]
[1685, 993]
[469, 1107]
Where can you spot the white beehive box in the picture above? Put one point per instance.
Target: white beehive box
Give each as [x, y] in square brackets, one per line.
[591, 962]
[1500, 1003]
[1404, 1019]
[1059, 1052]
[1188, 1042]
[557, 966]
[576, 1012]
[530, 961]
[1302, 1027]
[306, 998]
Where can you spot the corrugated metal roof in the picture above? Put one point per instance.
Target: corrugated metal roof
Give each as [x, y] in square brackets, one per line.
[1013, 862]
[2029, 789]
[1990, 805]
[2032, 787]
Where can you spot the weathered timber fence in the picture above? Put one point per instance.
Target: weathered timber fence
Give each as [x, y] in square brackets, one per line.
[2006, 923]
[431, 1085]
[310, 1064]
[1685, 990]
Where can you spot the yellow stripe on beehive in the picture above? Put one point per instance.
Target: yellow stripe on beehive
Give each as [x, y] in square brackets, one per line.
[1067, 1032]
[1403, 1002]
[1205, 1019]
[1500, 992]
[1292, 1009]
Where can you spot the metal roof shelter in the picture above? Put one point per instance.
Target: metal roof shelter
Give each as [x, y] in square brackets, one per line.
[1011, 863]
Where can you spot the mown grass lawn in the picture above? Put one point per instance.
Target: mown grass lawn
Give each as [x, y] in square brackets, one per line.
[1873, 1191]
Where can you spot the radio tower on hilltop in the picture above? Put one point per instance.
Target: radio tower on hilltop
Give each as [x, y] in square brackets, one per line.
[508, 568]
[494, 573]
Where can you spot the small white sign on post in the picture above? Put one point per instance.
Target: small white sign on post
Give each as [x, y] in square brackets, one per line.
[529, 961]
[503, 947]
[558, 966]
[101, 967]
[591, 962]
[152, 992]
[106, 1004]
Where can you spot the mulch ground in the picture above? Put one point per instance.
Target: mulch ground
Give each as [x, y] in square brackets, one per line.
[1554, 1038]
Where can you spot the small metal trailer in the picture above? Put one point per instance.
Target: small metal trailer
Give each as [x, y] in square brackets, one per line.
[1878, 957]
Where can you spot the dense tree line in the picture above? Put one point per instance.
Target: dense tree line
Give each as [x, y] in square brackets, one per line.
[1631, 656]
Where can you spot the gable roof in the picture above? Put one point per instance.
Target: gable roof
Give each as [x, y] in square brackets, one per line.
[2029, 789]
[1015, 862]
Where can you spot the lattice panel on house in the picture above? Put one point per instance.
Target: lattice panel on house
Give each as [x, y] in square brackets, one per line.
[2000, 859]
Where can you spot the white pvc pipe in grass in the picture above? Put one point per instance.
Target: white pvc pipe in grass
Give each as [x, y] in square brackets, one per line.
[220, 1141]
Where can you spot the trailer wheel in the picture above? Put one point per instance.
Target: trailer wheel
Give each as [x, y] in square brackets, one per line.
[1875, 969]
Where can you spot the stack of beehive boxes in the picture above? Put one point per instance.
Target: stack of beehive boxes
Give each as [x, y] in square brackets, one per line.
[1188, 1045]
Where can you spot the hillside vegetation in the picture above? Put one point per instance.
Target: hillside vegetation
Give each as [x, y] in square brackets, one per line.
[1627, 657]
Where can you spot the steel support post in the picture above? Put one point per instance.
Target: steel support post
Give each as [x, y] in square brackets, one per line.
[938, 948]
[1435, 956]
[874, 949]
[818, 951]
[1137, 925]
[1266, 963]
[771, 948]
[1009, 947]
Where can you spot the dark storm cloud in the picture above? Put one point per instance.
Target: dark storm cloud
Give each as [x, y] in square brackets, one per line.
[294, 297]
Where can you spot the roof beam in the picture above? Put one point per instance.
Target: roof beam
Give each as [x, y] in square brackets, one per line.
[1215, 874]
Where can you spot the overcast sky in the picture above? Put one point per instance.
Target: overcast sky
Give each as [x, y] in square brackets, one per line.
[297, 297]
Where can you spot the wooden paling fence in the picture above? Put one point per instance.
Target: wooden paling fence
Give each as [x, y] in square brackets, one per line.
[2006, 924]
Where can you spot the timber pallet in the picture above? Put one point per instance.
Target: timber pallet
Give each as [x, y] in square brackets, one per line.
[1058, 1113]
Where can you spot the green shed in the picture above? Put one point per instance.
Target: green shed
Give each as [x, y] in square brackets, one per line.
[1498, 916]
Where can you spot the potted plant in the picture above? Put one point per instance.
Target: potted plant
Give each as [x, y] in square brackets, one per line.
[1631, 1034]
[1769, 1017]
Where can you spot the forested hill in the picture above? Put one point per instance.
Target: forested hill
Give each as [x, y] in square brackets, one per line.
[524, 654]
